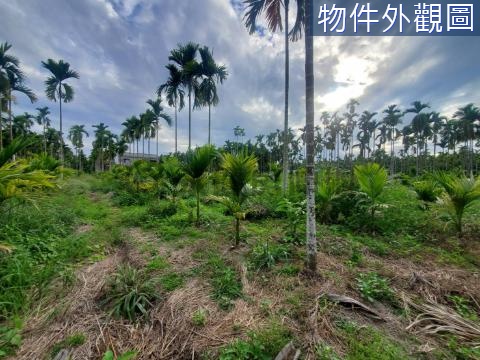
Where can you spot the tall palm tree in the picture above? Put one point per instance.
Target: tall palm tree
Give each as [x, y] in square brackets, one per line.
[101, 137]
[311, 260]
[75, 135]
[16, 83]
[57, 88]
[43, 120]
[211, 74]
[9, 68]
[129, 132]
[437, 122]
[468, 115]
[272, 10]
[173, 93]
[185, 57]
[157, 110]
[22, 124]
[393, 117]
[419, 126]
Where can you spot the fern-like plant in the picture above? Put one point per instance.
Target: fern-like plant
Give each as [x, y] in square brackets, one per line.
[460, 193]
[195, 170]
[372, 179]
[239, 170]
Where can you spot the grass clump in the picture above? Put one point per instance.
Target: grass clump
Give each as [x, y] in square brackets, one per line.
[71, 341]
[199, 317]
[262, 345]
[225, 282]
[367, 343]
[129, 294]
[171, 281]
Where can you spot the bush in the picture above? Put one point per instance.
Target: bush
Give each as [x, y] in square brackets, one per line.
[374, 287]
[129, 294]
[427, 190]
[161, 209]
[266, 255]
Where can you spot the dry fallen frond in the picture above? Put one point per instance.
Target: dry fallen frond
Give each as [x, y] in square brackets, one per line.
[435, 318]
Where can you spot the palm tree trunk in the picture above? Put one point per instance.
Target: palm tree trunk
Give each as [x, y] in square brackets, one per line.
[209, 123]
[44, 138]
[189, 118]
[311, 260]
[61, 127]
[285, 125]
[237, 231]
[1, 122]
[176, 149]
[10, 121]
[158, 159]
[143, 146]
[80, 162]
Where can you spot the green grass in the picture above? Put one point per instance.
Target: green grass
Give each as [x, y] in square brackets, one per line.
[172, 281]
[71, 341]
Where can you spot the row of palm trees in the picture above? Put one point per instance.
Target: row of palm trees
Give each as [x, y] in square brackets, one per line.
[12, 80]
[374, 132]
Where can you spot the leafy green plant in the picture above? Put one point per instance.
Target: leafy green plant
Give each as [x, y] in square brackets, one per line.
[71, 341]
[129, 294]
[199, 317]
[129, 355]
[374, 287]
[460, 194]
[265, 255]
[463, 306]
[325, 352]
[225, 282]
[10, 339]
[372, 179]
[427, 191]
[295, 213]
[327, 190]
[239, 170]
[195, 169]
[261, 345]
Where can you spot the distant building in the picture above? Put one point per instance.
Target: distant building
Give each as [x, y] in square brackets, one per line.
[129, 158]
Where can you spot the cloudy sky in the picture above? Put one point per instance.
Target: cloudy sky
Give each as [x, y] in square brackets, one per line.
[120, 48]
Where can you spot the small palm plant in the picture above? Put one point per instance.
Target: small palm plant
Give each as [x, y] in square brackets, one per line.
[372, 179]
[239, 170]
[173, 176]
[460, 193]
[195, 170]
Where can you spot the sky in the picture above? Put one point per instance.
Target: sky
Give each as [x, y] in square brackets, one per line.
[120, 49]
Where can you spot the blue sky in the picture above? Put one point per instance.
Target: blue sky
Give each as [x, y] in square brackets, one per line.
[120, 48]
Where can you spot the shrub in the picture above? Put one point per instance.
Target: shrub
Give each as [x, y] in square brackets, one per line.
[295, 213]
[426, 190]
[161, 209]
[460, 195]
[372, 179]
[265, 255]
[129, 294]
[374, 287]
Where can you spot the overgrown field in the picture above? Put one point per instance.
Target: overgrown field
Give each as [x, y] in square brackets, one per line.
[120, 266]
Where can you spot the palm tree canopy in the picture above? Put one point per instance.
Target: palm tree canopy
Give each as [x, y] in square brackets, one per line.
[239, 170]
[272, 10]
[157, 110]
[173, 87]
[55, 83]
[42, 116]
[199, 160]
[16, 83]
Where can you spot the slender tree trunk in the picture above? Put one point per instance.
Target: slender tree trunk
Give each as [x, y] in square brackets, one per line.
[285, 125]
[189, 118]
[62, 160]
[237, 231]
[44, 138]
[10, 120]
[311, 260]
[1, 122]
[198, 206]
[176, 148]
[158, 159]
[143, 147]
[209, 123]
[80, 161]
